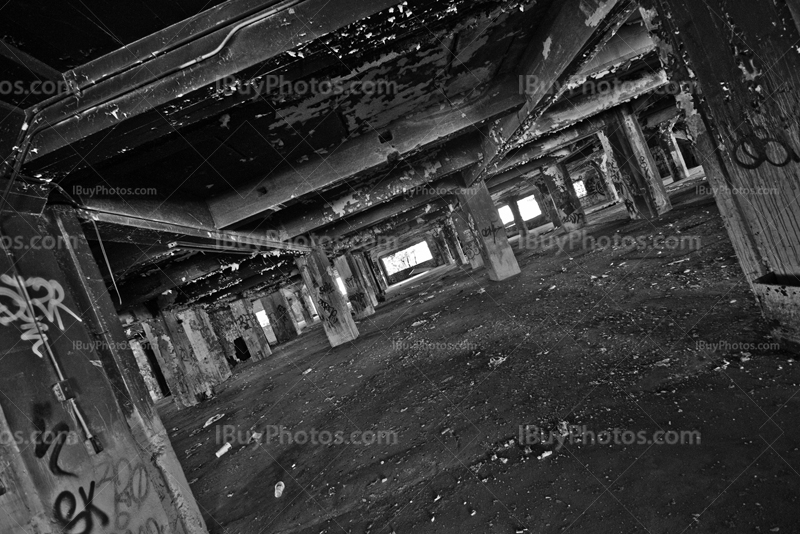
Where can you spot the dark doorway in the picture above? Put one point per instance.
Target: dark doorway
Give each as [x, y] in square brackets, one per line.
[159, 376]
[242, 351]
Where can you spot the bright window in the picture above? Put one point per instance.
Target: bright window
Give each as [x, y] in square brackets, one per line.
[506, 215]
[407, 258]
[529, 208]
[263, 320]
[580, 188]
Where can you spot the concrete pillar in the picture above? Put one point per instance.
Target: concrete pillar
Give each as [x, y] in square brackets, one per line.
[374, 274]
[250, 329]
[183, 387]
[146, 369]
[452, 238]
[545, 201]
[188, 366]
[441, 242]
[519, 222]
[317, 273]
[308, 303]
[356, 294]
[207, 348]
[295, 307]
[72, 371]
[644, 193]
[562, 192]
[667, 141]
[469, 243]
[363, 278]
[301, 294]
[609, 170]
[280, 317]
[224, 326]
[497, 254]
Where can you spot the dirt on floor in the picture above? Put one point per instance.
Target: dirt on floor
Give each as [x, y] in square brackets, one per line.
[529, 405]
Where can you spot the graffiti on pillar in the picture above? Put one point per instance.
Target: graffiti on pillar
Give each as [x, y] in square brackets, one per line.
[491, 230]
[128, 484]
[52, 440]
[760, 147]
[46, 299]
[65, 511]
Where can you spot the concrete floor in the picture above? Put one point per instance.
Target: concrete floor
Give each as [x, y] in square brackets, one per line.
[634, 339]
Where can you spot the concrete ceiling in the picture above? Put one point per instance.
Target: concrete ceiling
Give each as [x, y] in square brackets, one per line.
[171, 142]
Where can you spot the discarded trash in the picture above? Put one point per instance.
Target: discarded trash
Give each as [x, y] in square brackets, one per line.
[307, 371]
[544, 455]
[679, 261]
[225, 448]
[255, 437]
[279, 487]
[497, 360]
[213, 420]
[418, 323]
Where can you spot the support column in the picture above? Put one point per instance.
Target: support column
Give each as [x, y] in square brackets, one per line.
[187, 365]
[748, 135]
[568, 208]
[452, 237]
[609, 168]
[80, 347]
[545, 201]
[148, 375]
[364, 279]
[224, 326]
[441, 242]
[183, 389]
[362, 307]
[469, 243]
[250, 329]
[645, 195]
[305, 303]
[669, 144]
[317, 273]
[280, 317]
[519, 222]
[376, 276]
[498, 257]
[207, 348]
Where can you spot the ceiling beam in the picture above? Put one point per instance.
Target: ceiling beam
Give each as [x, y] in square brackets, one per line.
[107, 96]
[553, 56]
[390, 209]
[172, 222]
[457, 155]
[364, 153]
